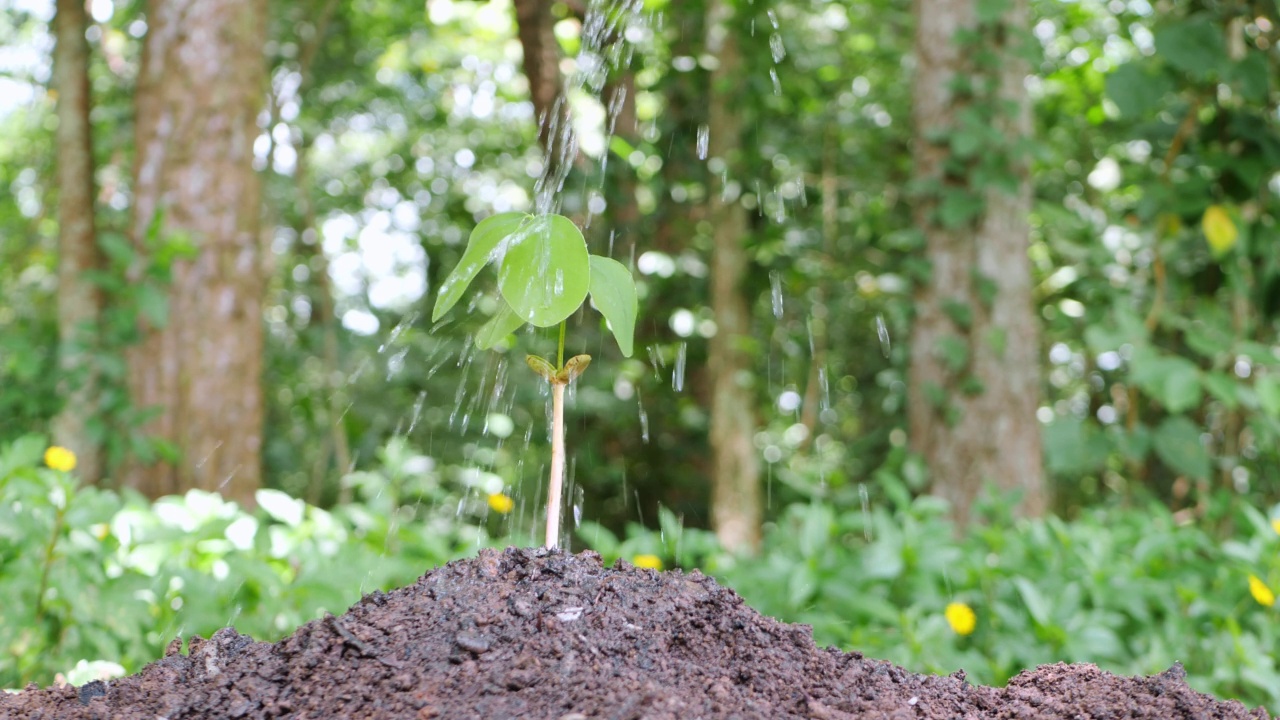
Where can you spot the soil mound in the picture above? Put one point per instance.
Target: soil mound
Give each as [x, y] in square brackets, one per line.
[547, 635]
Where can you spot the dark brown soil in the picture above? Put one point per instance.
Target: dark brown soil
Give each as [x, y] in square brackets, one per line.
[533, 634]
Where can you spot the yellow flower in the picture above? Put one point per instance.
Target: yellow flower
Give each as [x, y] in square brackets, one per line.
[60, 458]
[501, 503]
[1275, 525]
[1219, 229]
[652, 562]
[1261, 592]
[961, 618]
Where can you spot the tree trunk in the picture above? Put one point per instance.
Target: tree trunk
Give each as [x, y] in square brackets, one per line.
[201, 85]
[735, 474]
[975, 356]
[536, 28]
[79, 300]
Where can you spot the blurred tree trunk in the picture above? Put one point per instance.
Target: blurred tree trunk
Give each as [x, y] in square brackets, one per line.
[735, 483]
[201, 85]
[79, 300]
[975, 356]
[536, 29]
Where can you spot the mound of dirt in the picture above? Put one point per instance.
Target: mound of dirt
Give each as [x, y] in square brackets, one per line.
[538, 634]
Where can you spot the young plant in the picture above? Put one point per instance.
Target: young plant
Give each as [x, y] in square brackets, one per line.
[544, 276]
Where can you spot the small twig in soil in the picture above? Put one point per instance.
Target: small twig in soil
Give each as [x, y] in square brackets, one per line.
[349, 638]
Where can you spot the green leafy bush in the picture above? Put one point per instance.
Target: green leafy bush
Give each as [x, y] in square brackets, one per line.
[94, 575]
[1129, 589]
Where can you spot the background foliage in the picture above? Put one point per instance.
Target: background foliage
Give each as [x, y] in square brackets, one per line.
[1126, 588]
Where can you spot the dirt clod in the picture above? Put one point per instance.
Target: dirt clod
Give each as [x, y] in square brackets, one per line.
[538, 634]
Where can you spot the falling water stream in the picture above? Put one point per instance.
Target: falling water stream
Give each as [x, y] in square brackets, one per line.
[484, 397]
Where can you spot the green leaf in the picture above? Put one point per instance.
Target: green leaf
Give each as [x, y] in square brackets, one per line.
[1035, 601]
[153, 304]
[1253, 76]
[613, 292]
[1195, 47]
[481, 247]
[1073, 448]
[1177, 443]
[1172, 381]
[1268, 390]
[503, 323]
[546, 271]
[1223, 387]
[1136, 92]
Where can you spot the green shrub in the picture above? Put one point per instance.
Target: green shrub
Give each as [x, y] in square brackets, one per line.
[90, 577]
[1129, 589]
[94, 575]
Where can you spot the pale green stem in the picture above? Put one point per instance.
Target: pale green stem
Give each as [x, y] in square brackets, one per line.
[560, 353]
[557, 456]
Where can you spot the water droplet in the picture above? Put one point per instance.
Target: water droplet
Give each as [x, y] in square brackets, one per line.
[704, 139]
[656, 361]
[883, 332]
[776, 47]
[677, 374]
[824, 386]
[644, 419]
[579, 499]
[775, 285]
[866, 511]
[559, 288]
[417, 410]
[777, 84]
[773, 18]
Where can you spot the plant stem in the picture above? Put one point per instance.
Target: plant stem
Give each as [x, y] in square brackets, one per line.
[557, 456]
[560, 352]
[48, 561]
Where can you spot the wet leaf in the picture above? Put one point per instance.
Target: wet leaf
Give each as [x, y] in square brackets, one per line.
[542, 367]
[573, 367]
[503, 323]
[484, 240]
[613, 292]
[546, 272]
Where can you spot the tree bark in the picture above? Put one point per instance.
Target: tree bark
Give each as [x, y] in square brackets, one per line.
[201, 85]
[536, 29]
[974, 420]
[79, 300]
[735, 475]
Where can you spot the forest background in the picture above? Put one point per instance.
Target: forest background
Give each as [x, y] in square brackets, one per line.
[969, 305]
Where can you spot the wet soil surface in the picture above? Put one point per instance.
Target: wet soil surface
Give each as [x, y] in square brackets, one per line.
[533, 634]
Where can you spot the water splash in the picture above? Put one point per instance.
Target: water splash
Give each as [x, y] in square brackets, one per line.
[883, 333]
[677, 373]
[405, 323]
[417, 411]
[824, 403]
[579, 499]
[644, 419]
[775, 286]
[865, 497]
[656, 361]
[777, 48]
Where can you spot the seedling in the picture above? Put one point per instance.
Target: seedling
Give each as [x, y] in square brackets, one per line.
[544, 276]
